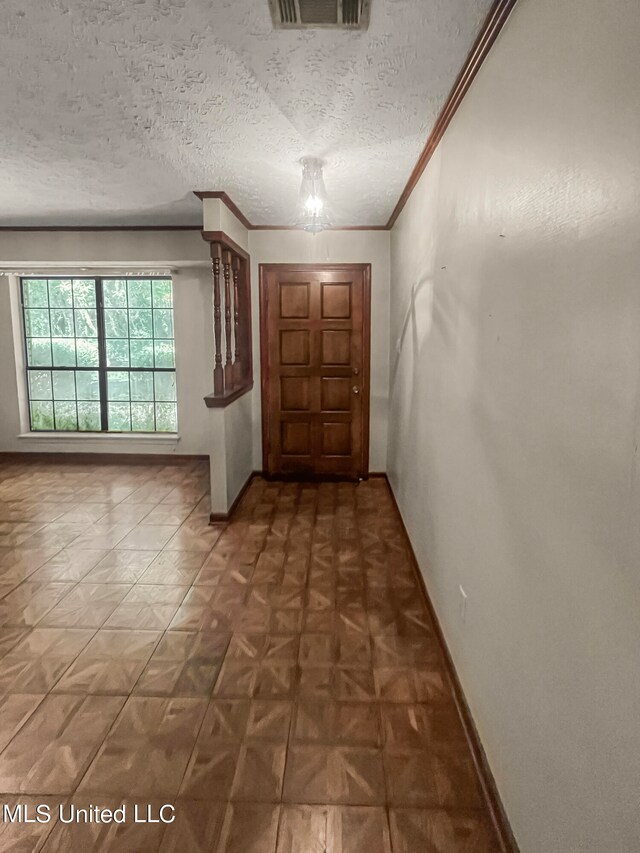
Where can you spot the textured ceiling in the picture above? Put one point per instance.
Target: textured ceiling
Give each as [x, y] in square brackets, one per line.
[114, 110]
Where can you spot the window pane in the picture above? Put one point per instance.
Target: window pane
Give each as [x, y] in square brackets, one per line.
[165, 386]
[141, 353]
[84, 293]
[140, 323]
[163, 323]
[60, 293]
[166, 417]
[38, 352]
[118, 353]
[119, 417]
[36, 323]
[35, 293]
[164, 354]
[162, 293]
[63, 326]
[88, 384]
[118, 386]
[115, 323]
[64, 352]
[142, 386]
[66, 416]
[87, 351]
[89, 416]
[114, 293]
[61, 322]
[139, 293]
[86, 320]
[40, 385]
[41, 415]
[64, 386]
[142, 417]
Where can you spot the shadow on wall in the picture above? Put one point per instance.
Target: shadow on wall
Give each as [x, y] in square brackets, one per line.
[512, 398]
[554, 377]
[409, 390]
[420, 300]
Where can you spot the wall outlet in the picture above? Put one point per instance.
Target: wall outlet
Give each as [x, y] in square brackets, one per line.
[463, 604]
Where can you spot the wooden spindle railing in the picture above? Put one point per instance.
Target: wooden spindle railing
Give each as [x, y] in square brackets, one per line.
[228, 363]
[238, 370]
[218, 373]
[231, 300]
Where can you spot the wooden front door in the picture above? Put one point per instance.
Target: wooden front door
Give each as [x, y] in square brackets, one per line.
[314, 325]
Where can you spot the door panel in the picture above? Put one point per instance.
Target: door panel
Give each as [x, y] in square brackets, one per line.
[336, 439]
[294, 347]
[335, 394]
[336, 301]
[335, 347]
[294, 393]
[296, 439]
[294, 300]
[315, 369]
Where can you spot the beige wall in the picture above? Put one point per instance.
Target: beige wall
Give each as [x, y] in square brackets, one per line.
[238, 445]
[231, 427]
[232, 437]
[216, 216]
[515, 401]
[186, 254]
[292, 247]
[229, 451]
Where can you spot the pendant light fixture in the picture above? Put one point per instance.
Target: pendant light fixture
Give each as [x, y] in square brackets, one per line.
[313, 209]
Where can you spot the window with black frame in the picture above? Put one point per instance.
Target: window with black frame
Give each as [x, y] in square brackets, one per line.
[100, 354]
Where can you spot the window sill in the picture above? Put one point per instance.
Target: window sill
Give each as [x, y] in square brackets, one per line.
[167, 438]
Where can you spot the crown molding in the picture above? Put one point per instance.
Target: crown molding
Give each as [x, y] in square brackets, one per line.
[491, 28]
[329, 228]
[233, 207]
[226, 200]
[493, 24]
[100, 228]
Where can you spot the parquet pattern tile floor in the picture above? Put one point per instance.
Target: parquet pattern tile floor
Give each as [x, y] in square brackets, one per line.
[276, 678]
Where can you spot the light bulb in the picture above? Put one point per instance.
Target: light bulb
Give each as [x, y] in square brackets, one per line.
[314, 204]
[313, 207]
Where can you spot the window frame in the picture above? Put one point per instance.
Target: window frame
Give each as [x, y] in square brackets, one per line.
[102, 368]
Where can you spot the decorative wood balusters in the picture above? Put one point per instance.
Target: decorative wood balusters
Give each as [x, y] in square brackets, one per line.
[231, 300]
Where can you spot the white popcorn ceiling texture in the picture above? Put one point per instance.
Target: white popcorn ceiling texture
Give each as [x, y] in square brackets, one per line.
[113, 111]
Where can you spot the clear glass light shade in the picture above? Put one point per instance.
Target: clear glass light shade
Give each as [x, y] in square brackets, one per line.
[313, 207]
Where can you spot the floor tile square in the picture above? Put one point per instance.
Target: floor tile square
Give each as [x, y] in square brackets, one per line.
[184, 664]
[434, 831]
[347, 775]
[422, 778]
[51, 751]
[339, 829]
[110, 664]
[259, 772]
[249, 828]
[148, 537]
[196, 829]
[147, 750]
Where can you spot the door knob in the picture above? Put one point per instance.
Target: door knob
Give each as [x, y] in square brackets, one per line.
[356, 371]
[355, 389]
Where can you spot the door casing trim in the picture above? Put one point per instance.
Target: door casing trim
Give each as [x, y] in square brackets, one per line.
[366, 354]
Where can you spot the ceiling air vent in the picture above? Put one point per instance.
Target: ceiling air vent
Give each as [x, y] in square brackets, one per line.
[306, 14]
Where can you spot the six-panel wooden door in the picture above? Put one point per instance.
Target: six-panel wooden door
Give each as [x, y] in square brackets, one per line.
[314, 324]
